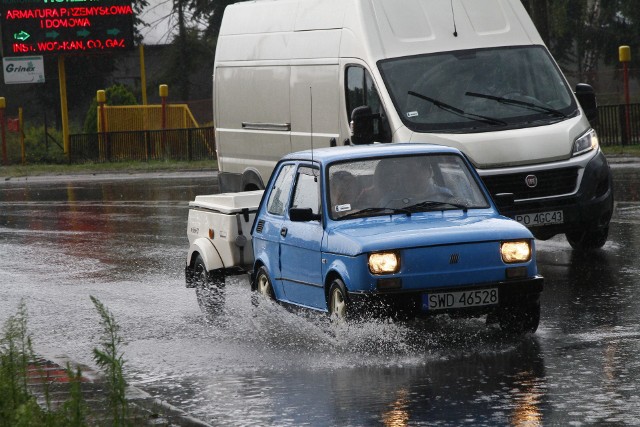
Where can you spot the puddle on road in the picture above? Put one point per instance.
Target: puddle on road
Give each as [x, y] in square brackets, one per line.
[253, 364]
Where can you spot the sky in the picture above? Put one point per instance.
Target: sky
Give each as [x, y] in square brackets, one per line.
[156, 15]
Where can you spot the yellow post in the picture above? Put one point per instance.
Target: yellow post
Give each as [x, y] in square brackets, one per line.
[21, 130]
[3, 134]
[101, 98]
[164, 92]
[62, 75]
[143, 76]
[624, 54]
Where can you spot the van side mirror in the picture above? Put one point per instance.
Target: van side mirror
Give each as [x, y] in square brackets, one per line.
[504, 200]
[587, 99]
[303, 215]
[362, 125]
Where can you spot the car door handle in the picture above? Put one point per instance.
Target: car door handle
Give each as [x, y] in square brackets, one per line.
[283, 231]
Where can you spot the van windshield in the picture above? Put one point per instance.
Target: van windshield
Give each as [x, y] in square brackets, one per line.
[478, 90]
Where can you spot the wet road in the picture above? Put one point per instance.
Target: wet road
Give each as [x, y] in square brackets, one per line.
[123, 240]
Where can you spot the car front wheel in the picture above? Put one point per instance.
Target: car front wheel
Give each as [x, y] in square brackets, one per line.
[519, 318]
[338, 301]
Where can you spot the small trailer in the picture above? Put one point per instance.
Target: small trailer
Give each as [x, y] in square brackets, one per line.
[219, 233]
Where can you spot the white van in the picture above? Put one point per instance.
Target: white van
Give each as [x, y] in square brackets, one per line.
[471, 74]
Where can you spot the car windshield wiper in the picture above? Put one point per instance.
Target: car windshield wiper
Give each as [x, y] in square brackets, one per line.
[515, 102]
[428, 204]
[459, 112]
[375, 210]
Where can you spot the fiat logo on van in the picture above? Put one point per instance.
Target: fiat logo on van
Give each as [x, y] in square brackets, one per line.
[531, 181]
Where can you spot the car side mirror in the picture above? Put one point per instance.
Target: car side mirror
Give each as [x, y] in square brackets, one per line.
[303, 215]
[587, 99]
[362, 125]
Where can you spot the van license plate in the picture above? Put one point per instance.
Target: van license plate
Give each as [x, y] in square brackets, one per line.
[541, 218]
[447, 300]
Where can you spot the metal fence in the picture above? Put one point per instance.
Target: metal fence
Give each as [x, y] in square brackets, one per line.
[124, 118]
[199, 143]
[171, 144]
[612, 125]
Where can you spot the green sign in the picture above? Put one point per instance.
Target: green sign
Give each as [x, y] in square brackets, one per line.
[41, 27]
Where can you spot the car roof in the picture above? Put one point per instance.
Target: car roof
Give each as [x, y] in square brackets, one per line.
[328, 155]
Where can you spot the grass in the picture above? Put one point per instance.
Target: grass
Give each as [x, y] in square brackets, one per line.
[19, 407]
[94, 168]
[622, 150]
[16, 171]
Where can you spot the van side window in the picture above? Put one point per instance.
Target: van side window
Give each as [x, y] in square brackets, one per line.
[280, 192]
[361, 91]
[307, 190]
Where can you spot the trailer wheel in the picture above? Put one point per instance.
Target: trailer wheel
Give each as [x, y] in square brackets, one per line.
[209, 289]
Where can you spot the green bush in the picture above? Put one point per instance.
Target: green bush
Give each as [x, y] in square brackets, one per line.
[37, 148]
[118, 94]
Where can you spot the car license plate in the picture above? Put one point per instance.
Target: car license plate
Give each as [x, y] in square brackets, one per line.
[540, 218]
[462, 299]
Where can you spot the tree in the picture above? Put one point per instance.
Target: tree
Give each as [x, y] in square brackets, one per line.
[211, 12]
[583, 34]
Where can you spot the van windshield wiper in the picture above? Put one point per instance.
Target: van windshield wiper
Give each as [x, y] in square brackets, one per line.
[459, 112]
[523, 104]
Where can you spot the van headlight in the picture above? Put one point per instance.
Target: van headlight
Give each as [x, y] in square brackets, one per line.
[513, 252]
[384, 262]
[587, 142]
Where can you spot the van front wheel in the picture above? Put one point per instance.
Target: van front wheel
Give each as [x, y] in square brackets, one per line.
[589, 239]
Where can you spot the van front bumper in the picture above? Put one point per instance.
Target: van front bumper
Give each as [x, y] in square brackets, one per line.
[590, 207]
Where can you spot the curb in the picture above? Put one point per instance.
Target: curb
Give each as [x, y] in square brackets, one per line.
[144, 409]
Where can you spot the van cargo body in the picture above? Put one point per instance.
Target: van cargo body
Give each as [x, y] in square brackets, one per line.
[470, 74]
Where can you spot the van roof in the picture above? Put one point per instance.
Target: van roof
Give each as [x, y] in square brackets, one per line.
[386, 28]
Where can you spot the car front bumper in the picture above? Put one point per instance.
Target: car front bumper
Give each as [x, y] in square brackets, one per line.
[512, 293]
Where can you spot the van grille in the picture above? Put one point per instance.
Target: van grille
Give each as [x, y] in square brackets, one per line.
[260, 226]
[553, 182]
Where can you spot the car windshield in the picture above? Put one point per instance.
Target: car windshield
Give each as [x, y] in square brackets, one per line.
[404, 184]
[478, 90]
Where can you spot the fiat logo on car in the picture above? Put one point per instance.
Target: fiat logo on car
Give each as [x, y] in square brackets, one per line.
[531, 181]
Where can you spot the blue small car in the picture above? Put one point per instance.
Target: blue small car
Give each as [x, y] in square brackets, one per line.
[397, 229]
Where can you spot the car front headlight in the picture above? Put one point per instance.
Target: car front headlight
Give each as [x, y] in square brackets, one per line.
[587, 142]
[384, 262]
[513, 252]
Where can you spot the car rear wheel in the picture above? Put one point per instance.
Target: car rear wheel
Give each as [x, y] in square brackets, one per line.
[519, 318]
[338, 301]
[209, 289]
[263, 284]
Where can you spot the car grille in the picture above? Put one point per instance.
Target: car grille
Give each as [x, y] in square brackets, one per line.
[552, 182]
